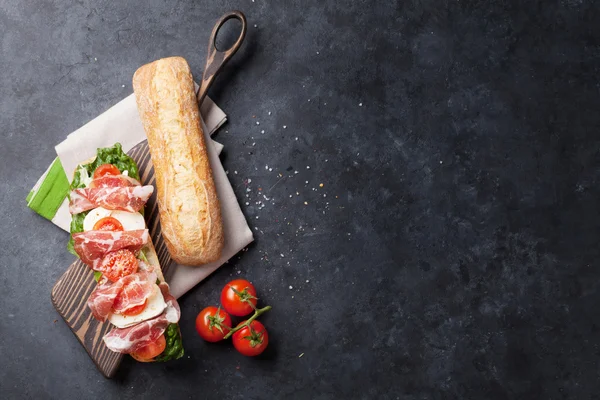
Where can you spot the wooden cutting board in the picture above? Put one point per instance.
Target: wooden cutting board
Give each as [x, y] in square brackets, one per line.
[71, 291]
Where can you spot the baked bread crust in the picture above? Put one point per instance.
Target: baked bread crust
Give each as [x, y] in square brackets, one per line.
[190, 212]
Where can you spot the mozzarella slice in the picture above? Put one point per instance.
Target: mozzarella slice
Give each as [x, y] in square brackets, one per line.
[94, 216]
[155, 306]
[130, 220]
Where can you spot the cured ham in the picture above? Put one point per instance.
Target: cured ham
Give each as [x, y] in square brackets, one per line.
[128, 292]
[131, 339]
[113, 181]
[130, 198]
[145, 267]
[137, 288]
[92, 246]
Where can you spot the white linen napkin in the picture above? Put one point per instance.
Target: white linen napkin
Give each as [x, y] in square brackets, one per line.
[121, 123]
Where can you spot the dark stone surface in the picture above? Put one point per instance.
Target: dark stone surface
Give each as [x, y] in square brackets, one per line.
[455, 253]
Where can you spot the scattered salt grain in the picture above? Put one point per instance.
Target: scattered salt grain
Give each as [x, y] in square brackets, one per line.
[270, 169]
[263, 131]
[281, 255]
[269, 112]
[307, 281]
[291, 287]
[285, 126]
[295, 172]
[307, 167]
[266, 167]
[257, 123]
[360, 104]
[249, 180]
[235, 172]
[122, 85]
[306, 203]
[296, 138]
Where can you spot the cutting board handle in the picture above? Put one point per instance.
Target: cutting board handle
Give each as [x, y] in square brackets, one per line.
[216, 59]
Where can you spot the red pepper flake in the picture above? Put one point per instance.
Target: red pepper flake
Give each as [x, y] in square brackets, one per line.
[260, 189]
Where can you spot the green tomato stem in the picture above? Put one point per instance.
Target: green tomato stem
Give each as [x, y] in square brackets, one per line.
[257, 313]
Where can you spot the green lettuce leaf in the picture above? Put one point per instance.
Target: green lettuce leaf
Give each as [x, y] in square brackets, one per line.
[76, 226]
[174, 349]
[142, 256]
[107, 155]
[115, 156]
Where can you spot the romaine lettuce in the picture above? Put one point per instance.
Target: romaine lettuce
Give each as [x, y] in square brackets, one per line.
[174, 349]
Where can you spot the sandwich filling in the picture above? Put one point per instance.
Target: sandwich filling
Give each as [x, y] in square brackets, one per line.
[108, 233]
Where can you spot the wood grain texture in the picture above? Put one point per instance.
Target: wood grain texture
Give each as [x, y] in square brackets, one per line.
[216, 59]
[71, 291]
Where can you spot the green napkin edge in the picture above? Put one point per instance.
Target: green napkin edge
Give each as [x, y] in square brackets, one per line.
[52, 192]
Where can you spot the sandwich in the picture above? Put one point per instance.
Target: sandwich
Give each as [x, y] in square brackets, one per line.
[109, 234]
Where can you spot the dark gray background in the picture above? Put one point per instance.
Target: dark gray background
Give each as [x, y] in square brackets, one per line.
[455, 253]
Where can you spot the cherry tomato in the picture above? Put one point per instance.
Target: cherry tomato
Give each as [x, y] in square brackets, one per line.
[238, 297]
[108, 224]
[135, 310]
[106, 169]
[149, 351]
[251, 340]
[212, 324]
[118, 264]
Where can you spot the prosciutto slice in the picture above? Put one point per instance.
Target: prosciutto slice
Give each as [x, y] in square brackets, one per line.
[130, 198]
[113, 181]
[133, 338]
[92, 246]
[145, 267]
[128, 292]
